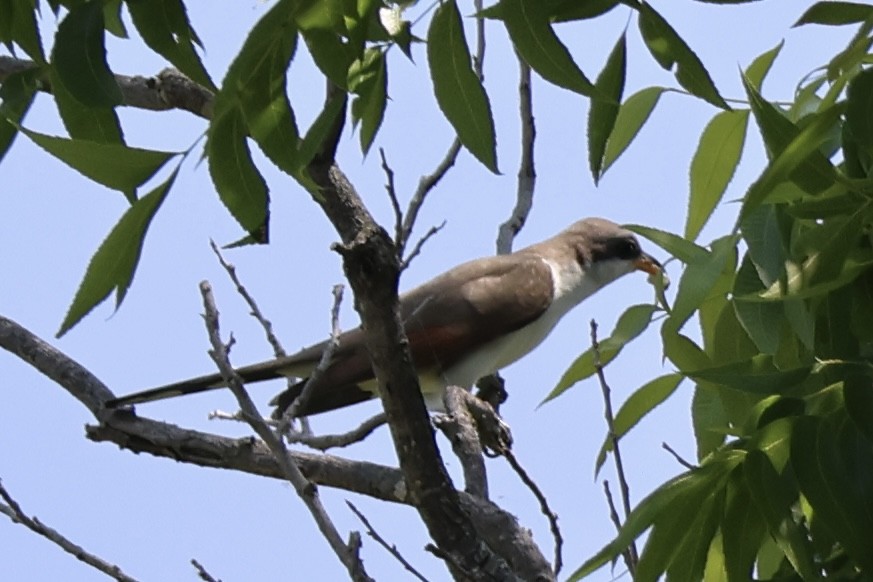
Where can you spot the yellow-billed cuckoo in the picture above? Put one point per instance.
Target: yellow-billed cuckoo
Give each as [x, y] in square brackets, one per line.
[462, 325]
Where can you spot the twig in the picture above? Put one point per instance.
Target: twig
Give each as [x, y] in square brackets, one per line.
[266, 324]
[17, 515]
[202, 573]
[613, 439]
[330, 441]
[307, 490]
[544, 508]
[323, 363]
[678, 458]
[626, 554]
[418, 246]
[392, 549]
[395, 203]
[527, 175]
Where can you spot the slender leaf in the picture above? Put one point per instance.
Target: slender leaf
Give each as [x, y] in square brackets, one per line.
[774, 497]
[113, 265]
[858, 394]
[631, 324]
[603, 112]
[368, 80]
[743, 529]
[835, 13]
[458, 90]
[98, 124]
[757, 71]
[165, 28]
[530, 29]
[130, 167]
[240, 186]
[699, 279]
[638, 405]
[713, 166]
[762, 321]
[670, 51]
[79, 57]
[19, 25]
[833, 463]
[762, 233]
[684, 250]
[709, 418]
[332, 56]
[16, 96]
[756, 376]
[632, 115]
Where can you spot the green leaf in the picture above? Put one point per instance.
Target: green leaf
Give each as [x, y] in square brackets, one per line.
[762, 321]
[320, 129]
[713, 166]
[858, 395]
[164, 26]
[256, 84]
[832, 463]
[458, 90]
[98, 124]
[332, 56]
[699, 279]
[639, 404]
[130, 167]
[603, 112]
[19, 26]
[757, 375]
[79, 57]
[700, 526]
[709, 418]
[16, 96]
[684, 250]
[678, 495]
[859, 121]
[763, 235]
[527, 22]
[368, 79]
[774, 497]
[631, 324]
[113, 265]
[835, 13]
[112, 20]
[759, 68]
[240, 186]
[571, 10]
[743, 530]
[794, 153]
[670, 50]
[632, 115]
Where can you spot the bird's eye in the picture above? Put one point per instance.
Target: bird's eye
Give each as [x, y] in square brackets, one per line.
[628, 248]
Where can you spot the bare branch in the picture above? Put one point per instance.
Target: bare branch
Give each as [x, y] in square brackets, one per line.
[395, 203]
[17, 515]
[167, 90]
[458, 425]
[392, 549]
[678, 458]
[627, 554]
[305, 489]
[418, 246]
[544, 508]
[527, 175]
[613, 439]
[330, 441]
[202, 573]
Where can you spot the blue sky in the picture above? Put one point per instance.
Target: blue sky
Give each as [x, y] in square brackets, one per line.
[151, 516]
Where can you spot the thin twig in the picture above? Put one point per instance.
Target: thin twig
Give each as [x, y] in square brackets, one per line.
[307, 490]
[418, 246]
[459, 427]
[392, 549]
[266, 324]
[527, 175]
[626, 554]
[323, 364]
[678, 458]
[613, 439]
[202, 573]
[392, 196]
[17, 515]
[331, 441]
[544, 508]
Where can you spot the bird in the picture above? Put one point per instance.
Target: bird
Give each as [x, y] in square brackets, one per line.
[467, 323]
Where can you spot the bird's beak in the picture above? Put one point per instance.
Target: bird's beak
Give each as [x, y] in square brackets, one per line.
[648, 264]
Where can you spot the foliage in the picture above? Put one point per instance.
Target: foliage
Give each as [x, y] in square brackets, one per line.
[783, 408]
